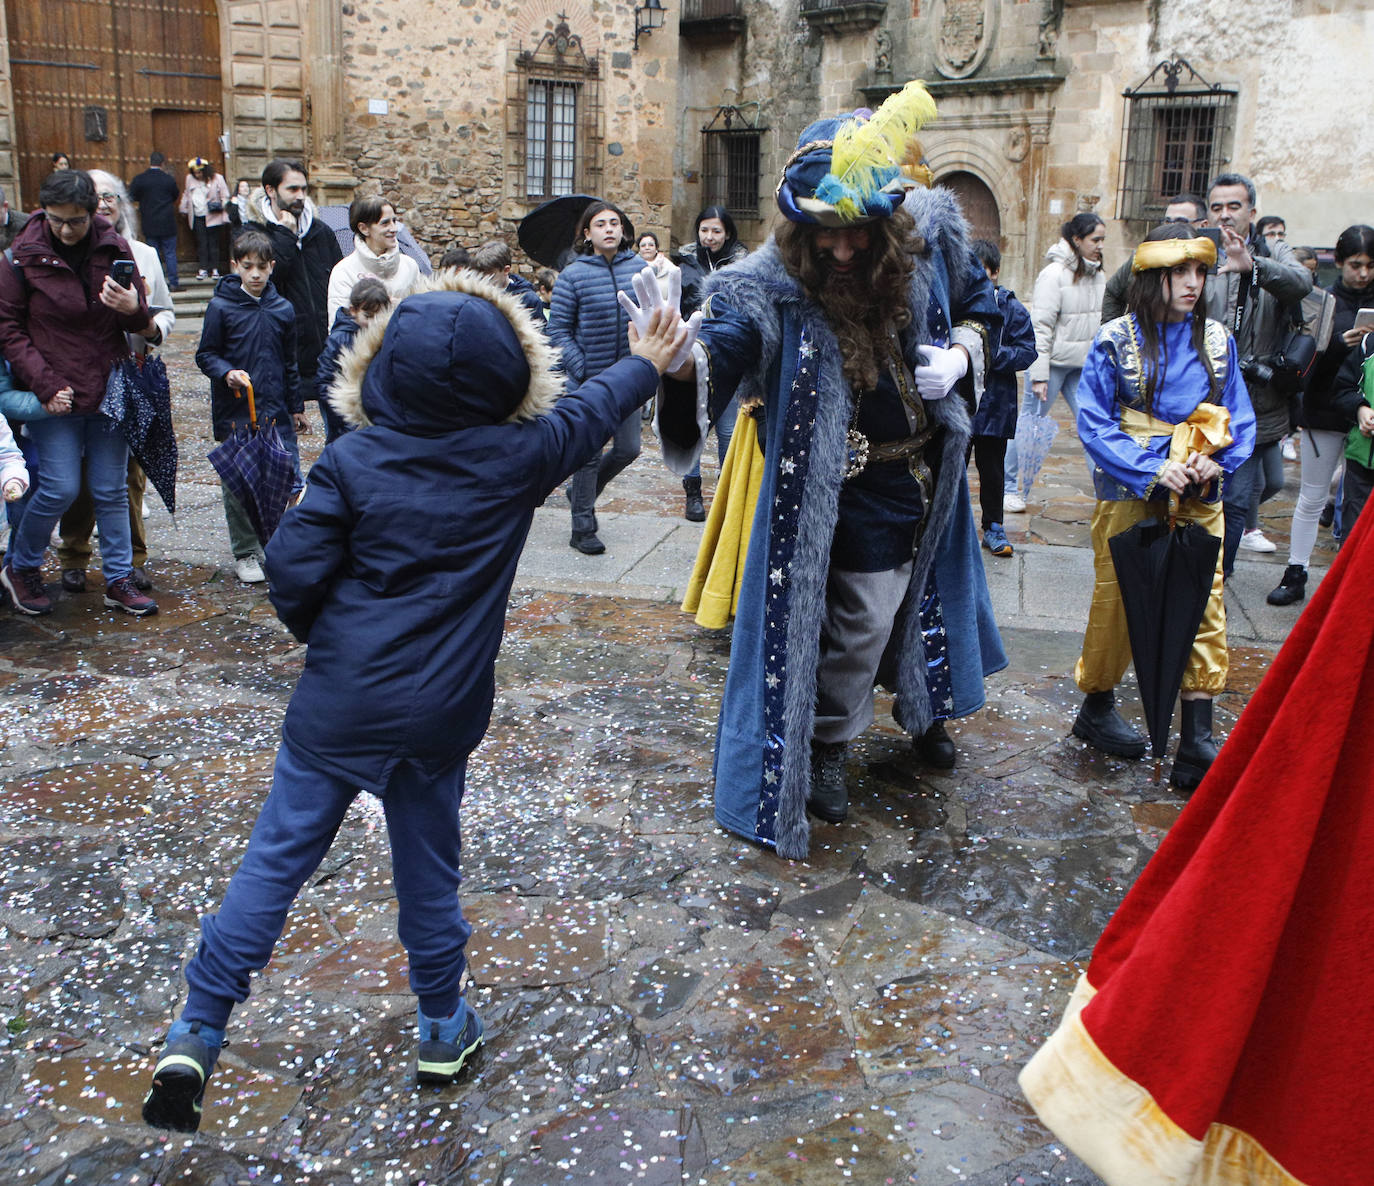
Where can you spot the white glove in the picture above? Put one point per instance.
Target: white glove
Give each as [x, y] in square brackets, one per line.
[650, 301]
[942, 369]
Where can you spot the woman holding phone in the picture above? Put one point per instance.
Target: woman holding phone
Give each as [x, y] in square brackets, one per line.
[62, 324]
[1325, 424]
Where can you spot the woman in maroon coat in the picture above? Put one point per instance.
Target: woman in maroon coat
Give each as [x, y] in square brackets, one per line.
[62, 324]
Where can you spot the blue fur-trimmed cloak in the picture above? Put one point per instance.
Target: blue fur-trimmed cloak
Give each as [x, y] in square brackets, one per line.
[767, 342]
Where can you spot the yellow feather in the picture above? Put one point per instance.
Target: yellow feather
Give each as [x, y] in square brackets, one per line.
[863, 150]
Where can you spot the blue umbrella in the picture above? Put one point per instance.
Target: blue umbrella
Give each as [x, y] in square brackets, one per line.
[258, 470]
[138, 398]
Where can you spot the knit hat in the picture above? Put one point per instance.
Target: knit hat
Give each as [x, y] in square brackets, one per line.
[854, 168]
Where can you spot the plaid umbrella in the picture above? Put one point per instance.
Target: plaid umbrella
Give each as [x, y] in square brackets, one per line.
[259, 472]
[139, 399]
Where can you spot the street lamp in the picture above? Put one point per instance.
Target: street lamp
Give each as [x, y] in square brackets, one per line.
[648, 17]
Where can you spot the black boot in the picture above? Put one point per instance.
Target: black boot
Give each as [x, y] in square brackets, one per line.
[935, 747]
[587, 543]
[1102, 727]
[1292, 588]
[696, 509]
[829, 790]
[1197, 749]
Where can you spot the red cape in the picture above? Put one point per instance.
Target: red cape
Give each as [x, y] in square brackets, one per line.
[1224, 1030]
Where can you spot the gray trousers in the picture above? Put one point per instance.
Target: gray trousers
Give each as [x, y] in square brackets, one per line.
[589, 481]
[860, 609]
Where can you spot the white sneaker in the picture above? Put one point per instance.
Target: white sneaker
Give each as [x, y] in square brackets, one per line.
[1013, 503]
[1289, 452]
[1254, 541]
[249, 571]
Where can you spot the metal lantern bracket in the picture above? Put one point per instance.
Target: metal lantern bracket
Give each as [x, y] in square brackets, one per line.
[648, 17]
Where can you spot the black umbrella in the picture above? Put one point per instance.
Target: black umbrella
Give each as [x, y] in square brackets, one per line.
[548, 232]
[1165, 572]
[138, 398]
[259, 471]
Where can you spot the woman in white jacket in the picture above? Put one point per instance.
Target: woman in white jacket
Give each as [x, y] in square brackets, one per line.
[1066, 310]
[376, 252]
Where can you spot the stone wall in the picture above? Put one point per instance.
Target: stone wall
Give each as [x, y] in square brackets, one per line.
[443, 147]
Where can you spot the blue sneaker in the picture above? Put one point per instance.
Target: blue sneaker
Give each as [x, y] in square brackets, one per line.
[445, 1044]
[178, 1092]
[995, 540]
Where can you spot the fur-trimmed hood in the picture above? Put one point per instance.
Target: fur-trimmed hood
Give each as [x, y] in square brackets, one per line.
[456, 353]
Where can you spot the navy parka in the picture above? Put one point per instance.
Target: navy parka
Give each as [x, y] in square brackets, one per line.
[241, 334]
[996, 415]
[397, 564]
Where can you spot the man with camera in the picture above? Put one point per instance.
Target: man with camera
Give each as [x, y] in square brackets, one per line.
[1256, 293]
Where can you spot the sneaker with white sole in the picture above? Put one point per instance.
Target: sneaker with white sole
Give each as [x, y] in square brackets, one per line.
[446, 1043]
[25, 587]
[1254, 541]
[249, 571]
[123, 594]
[1013, 503]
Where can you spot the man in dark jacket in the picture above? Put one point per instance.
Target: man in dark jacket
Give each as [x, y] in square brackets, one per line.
[306, 251]
[11, 221]
[1254, 294]
[155, 191]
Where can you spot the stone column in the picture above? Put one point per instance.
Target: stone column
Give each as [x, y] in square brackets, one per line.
[9, 165]
[330, 173]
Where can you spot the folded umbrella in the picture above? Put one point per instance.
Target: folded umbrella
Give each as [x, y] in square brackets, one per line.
[258, 470]
[547, 233]
[138, 398]
[1034, 436]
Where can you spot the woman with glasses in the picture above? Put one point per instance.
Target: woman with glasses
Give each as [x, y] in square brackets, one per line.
[63, 319]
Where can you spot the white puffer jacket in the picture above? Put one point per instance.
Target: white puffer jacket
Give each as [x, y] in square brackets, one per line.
[1066, 312]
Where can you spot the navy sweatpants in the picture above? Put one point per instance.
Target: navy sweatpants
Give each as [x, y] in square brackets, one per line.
[297, 825]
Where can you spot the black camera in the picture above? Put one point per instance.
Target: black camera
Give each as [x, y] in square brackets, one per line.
[1258, 369]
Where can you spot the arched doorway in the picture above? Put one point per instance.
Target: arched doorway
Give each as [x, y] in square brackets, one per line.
[977, 202]
[109, 83]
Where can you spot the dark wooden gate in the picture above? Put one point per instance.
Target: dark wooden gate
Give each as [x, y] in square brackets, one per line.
[101, 80]
[977, 202]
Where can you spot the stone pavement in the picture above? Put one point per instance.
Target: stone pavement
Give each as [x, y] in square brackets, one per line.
[665, 1003]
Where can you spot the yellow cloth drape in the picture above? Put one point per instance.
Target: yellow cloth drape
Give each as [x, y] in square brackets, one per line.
[713, 591]
[1205, 431]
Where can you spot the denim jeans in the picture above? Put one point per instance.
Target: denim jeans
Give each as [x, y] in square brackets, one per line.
[62, 442]
[1063, 381]
[588, 482]
[1254, 480]
[167, 252]
[725, 429]
[294, 831]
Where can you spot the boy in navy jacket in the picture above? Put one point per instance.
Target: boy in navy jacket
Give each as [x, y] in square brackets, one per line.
[249, 336]
[994, 423]
[366, 299]
[462, 437]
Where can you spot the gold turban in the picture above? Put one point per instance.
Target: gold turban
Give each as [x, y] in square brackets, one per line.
[1165, 253]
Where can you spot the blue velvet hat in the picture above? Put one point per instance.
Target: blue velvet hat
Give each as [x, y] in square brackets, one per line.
[854, 168]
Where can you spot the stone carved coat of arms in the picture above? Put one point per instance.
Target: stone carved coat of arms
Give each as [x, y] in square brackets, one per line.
[963, 35]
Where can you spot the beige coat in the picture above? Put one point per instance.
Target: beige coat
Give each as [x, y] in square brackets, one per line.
[1064, 311]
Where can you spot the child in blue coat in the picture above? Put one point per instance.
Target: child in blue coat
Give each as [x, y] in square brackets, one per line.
[995, 421]
[249, 336]
[366, 300]
[462, 437]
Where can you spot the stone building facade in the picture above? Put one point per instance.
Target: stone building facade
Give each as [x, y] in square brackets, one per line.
[470, 112]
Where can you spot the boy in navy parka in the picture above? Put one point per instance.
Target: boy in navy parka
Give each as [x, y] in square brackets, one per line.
[461, 440]
[366, 299]
[250, 336]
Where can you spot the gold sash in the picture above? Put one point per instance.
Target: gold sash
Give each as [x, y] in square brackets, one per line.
[1205, 431]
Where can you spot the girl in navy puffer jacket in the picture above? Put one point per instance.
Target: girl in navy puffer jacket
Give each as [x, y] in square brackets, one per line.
[461, 439]
[588, 325]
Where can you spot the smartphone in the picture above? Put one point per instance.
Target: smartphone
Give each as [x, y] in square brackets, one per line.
[122, 272]
[1365, 317]
[1214, 233]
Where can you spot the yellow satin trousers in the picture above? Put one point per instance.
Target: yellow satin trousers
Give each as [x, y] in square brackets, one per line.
[1106, 645]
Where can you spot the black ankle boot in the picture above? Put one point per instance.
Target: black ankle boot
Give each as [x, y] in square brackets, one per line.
[696, 509]
[1102, 727]
[1292, 588]
[829, 789]
[936, 748]
[1197, 749]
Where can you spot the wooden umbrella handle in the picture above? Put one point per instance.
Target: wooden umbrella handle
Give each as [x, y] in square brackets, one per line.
[252, 409]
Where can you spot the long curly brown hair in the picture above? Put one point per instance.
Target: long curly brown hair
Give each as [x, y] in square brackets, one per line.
[863, 306]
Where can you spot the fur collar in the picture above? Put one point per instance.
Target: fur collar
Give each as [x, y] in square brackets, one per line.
[546, 385]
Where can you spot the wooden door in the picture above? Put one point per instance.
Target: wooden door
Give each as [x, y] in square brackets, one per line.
[977, 202]
[181, 135]
[88, 76]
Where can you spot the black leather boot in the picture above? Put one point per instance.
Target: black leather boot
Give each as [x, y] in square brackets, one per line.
[935, 747]
[829, 787]
[1102, 727]
[1292, 588]
[696, 509]
[1197, 749]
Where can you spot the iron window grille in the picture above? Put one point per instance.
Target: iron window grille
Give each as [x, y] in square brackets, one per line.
[731, 154]
[554, 118]
[1176, 135]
